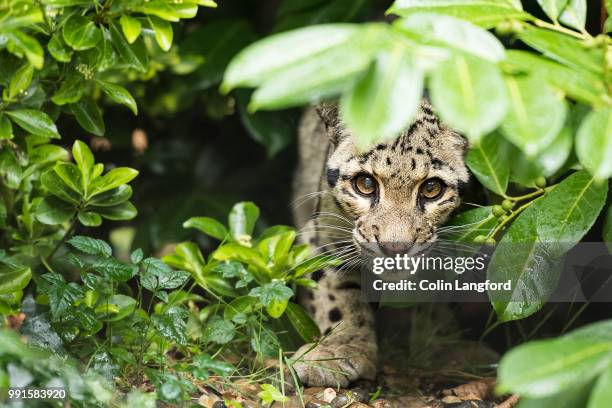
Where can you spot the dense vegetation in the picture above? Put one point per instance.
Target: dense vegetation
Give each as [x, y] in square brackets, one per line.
[124, 326]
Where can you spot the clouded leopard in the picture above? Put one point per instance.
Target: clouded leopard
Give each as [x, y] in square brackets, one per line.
[397, 192]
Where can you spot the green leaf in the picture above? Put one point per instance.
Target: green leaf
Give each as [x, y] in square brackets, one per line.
[302, 322]
[489, 163]
[552, 8]
[85, 162]
[565, 49]
[171, 324]
[241, 305]
[6, 128]
[242, 220]
[260, 61]
[484, 13]
[116, 307]
[20, 80]
[53, 211]
[13, 277]
[546, 367]
[120, 212]
[385, 100]
[275, 130]
[594, 143]
[89, 218]
[169, 11]
[34, 121]
[57, 186]
[535, 116]
[530, 253]
[131, 27]
[70, 91]
[163, 32]
[470, 95]
[469, 224]
[134, 55]
[208, 226]
[586, 87]
[10, 169]
[119, 94]
[574, 14]
[27, 45]
[602, 392]
[88, 114]
[274, 296]
[70, 176]
[204, 363]
[270, 394]
[114, 269]
[91, 246]
[112, 197]
[570, 210]
[113, 179]
[81, 33]
[58, 49]
[556, 154]
[61, 294]
[436, 29]
[320, 77]
[219, 331]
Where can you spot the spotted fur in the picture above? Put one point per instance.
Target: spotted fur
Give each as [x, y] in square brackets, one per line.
[343, 221]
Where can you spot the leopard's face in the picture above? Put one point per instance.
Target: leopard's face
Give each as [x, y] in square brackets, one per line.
[398, 192]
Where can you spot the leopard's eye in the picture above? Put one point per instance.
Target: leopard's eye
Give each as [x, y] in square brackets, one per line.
[432, 188]
[364, 184]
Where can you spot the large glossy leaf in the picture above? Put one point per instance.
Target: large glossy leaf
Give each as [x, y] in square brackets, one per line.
[88, 114]
[594, 143]
[112, 197]
[6, 128]
[530, 253]
[260, 61]
[81, 33]
[322, 76]
[469, 224]
[242, 220]
[119, 94]
[133, 54]
[470, 95]
[535, 116]
[58, 187]
[85, 162]
[28, 45]
[112, 180]
[163, 32]
[302, 322]
[574, 14]
[484, 13]
[552, 8]
[436, 29]
[563, 48]
[53, 211]
[384, 101]
[546, 367]
[602, 392]
[489, 163]
[34, 121]
[13, 277]
[120, 212]
[586, 87]
[208, 226]
[131, 27]
[71, 89]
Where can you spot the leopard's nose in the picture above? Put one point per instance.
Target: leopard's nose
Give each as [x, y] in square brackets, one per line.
[395, 248]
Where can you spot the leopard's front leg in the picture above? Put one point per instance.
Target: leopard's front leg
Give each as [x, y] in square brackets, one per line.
[348, 351]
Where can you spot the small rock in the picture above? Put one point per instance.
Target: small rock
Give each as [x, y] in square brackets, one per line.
[328, 395]
[360, 395]
[340, 401]
[358, 405]
[381, 403]
[470, 404]
[208, 400]
[451, 399]
[219, 404]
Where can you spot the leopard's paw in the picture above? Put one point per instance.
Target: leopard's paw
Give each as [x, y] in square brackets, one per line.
[335, 364]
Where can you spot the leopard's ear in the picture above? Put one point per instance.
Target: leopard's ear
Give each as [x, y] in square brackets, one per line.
[328, 112]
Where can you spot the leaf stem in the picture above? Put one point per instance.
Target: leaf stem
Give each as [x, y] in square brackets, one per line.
[67, 234]
[559, 28]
